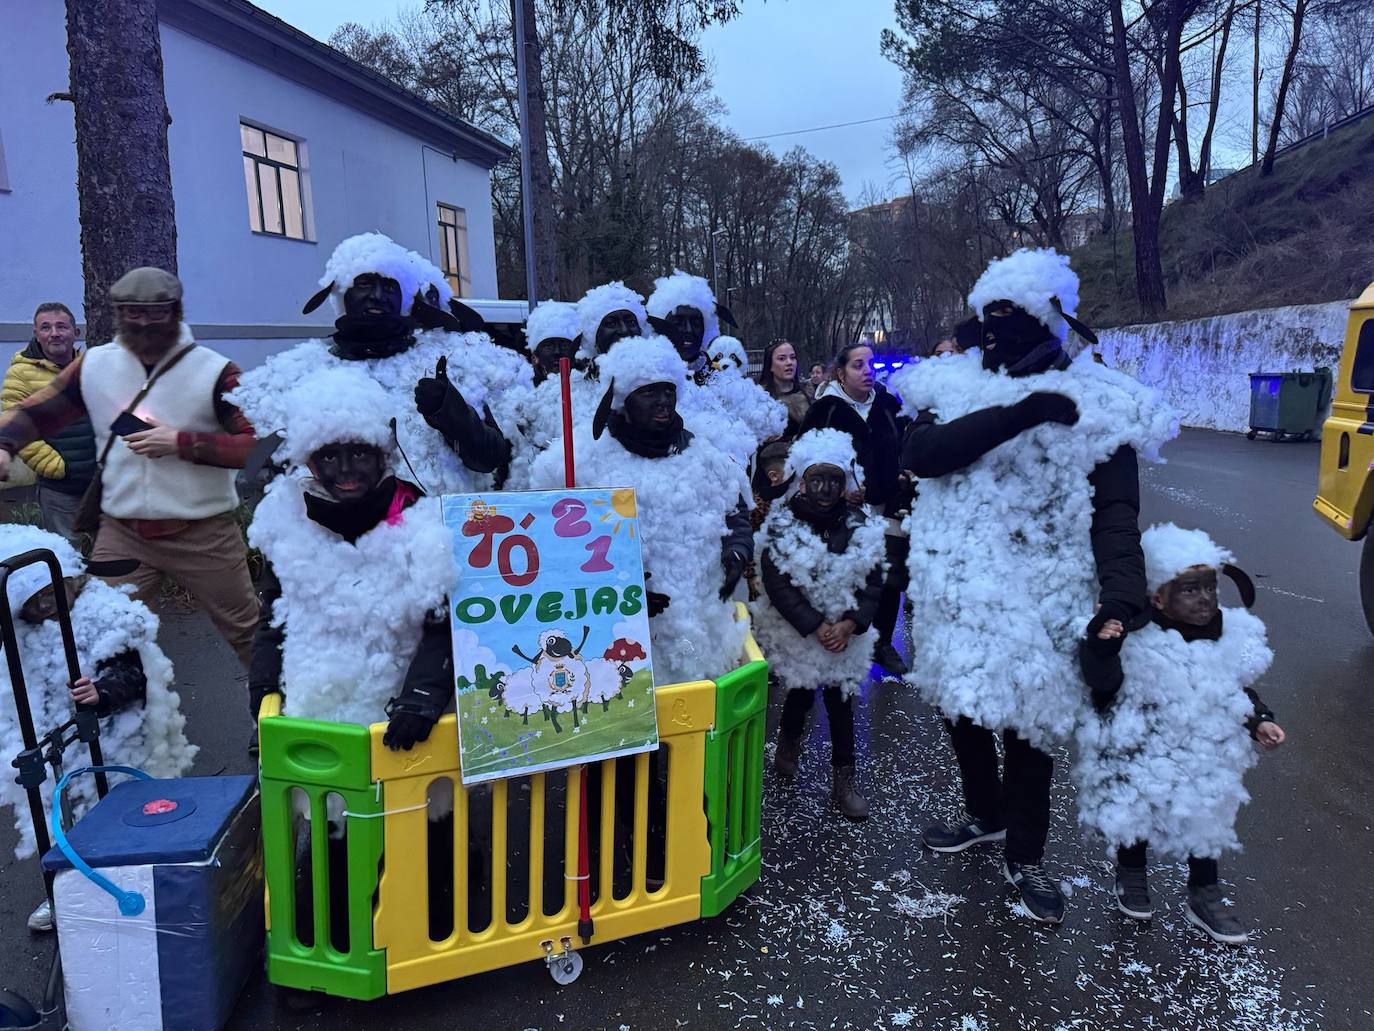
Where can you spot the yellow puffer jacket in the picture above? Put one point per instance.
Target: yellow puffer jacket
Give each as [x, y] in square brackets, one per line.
[27, 375]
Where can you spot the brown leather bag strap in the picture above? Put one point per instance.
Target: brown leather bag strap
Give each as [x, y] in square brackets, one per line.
[143, 392]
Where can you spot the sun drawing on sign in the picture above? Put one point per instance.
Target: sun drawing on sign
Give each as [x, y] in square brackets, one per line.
[622, 509]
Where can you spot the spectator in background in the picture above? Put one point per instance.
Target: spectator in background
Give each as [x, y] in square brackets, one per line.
[62, 461]
[947, 345]
[168, 496]
[817, 377]
[779, 378]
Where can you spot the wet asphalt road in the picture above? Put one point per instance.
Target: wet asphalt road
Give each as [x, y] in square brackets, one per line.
[833, 936]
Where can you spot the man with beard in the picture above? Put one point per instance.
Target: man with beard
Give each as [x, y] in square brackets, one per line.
[167, 497]
[1024, 543]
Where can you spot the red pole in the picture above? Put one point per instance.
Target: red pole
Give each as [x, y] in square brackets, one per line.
[584, 884]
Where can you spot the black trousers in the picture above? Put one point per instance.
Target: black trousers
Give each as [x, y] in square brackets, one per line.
[1017, 798]
[838, 709]
[1201, 872]
[898, 576]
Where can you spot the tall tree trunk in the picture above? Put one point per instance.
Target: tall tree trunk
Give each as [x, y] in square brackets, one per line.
[1271, 149]
[1149, 271]
[1204, 162]
[123, 177]
[541, 177]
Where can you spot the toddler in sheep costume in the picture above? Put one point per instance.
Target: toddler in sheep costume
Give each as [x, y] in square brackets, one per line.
[693, 519]
[1163, 758]
[125, 677]
[354, 624]
[822, 566]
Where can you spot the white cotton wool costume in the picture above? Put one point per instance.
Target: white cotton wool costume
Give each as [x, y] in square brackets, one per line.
[600, 301]
[378, 253]
[831, 582]
[540, 419]
[353, 613]
[1003, 580]
[1029, 279]
[683, 500]
[683, 289]
[551, 319]
[733, 409]
[105, 623]
[1166, 763]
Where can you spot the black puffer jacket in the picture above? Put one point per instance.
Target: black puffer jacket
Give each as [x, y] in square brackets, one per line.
[877, 442]
[795, 607]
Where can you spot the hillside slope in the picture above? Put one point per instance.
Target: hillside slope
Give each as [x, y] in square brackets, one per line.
[1302, 236]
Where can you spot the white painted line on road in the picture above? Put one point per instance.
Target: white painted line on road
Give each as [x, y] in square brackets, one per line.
[1293, 594]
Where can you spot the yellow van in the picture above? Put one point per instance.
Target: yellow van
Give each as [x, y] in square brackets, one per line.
[1345, 489]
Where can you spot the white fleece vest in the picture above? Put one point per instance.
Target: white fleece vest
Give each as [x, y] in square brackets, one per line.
[353, 613]
[484, 374]
[1166, 763]
[1003, 579]
[184, 399]
[152, 737]
[831, 583]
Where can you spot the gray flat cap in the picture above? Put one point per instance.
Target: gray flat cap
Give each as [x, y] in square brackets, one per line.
[146, 286]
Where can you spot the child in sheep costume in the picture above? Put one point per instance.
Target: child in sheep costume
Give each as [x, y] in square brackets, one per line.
[1025, 523]
[125, 676]
[607, 314]
[739, 412]
[685, 485]
[822, 565]
[551, 332]
[683, 308]
[354, 624]
[450, 392]
[1163, 760]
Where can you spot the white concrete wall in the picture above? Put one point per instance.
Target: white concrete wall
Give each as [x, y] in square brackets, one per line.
[363, 175]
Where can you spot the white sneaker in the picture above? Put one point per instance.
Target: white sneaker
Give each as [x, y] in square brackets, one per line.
[40, 919]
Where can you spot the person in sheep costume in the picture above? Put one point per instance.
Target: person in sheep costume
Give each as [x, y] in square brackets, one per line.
[606, 315]
[685, 487]
[354, 624]
[683, 309]
[1162, 759]
[1025, 523]
[822, 564]
[125, 676]
[742, 415]
[552, 332]
[449, 429]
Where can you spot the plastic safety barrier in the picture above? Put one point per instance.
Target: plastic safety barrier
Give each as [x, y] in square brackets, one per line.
[385, 874]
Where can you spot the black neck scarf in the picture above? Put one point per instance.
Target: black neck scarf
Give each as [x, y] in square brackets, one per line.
[824, 521]
[358, 337]
[1210, 632]
[672, 439]
[351, 519]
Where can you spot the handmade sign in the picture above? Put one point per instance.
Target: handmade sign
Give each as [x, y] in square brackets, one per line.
[550, 631]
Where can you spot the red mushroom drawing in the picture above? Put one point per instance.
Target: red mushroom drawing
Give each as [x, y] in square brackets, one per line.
[624, 650]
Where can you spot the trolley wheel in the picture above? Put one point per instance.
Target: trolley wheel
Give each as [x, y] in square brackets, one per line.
[1252, 435]
[1367, 580]
[566, 969]
[16, 1011]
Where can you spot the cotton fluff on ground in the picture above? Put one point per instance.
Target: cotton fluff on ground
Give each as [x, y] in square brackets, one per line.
[1166, 762]
[353, 613]
[484, 374]
[831, 584]
[105, 623]
[1003, 580]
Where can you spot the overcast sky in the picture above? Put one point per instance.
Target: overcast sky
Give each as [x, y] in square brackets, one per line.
[781, 66]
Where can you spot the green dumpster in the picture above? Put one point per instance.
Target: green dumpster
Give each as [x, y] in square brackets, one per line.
[1288, 404]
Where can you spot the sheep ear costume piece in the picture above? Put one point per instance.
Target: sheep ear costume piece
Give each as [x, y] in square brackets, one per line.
[681, 289]
[726, 316]
[427, 316]
[1170, 550]
[318, 298]
[633, 363]
[468, 319]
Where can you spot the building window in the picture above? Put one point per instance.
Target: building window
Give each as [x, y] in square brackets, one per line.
[272, 176]
[453, 249]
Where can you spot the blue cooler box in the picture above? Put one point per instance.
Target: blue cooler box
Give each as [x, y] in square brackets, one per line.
[181, 963]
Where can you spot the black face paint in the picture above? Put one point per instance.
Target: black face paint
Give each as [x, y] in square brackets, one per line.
[43, 605]
[651, 407]
[347, 472]
[1190, 597]
[615, 327]
[549, 350]
[374, 295]
[1009, 334]
[687, 331]
[823, 484]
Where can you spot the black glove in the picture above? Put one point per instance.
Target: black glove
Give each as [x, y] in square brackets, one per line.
[1109, 610]
[656, 602]
[1042, 407]
[732, 562]
[1100, 662]
[431, 391]
[405, 729]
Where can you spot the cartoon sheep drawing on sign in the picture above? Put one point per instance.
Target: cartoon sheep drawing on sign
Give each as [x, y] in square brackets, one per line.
[556, 679]
[611, 672]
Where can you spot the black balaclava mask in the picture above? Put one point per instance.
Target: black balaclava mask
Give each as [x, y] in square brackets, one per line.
[615, 327]
[687, 330]
[820, 501]
[547, 354]
[372, 325]
[357, 491]
[649, 426]
[1016, 341]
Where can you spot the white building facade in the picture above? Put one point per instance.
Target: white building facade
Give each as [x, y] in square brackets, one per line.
[280, 147]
